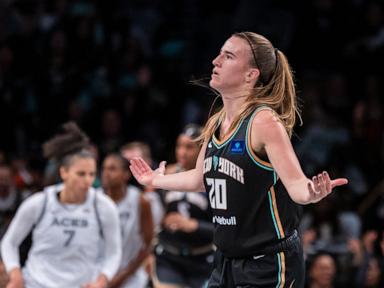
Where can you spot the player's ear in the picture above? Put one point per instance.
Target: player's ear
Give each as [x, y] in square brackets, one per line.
[252, 75]
[63, 172]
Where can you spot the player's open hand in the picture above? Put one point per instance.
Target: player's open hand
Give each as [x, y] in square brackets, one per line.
[322, 185]
[143, 173]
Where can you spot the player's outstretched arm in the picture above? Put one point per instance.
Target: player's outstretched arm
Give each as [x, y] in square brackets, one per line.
[189, 181]
[268, 131]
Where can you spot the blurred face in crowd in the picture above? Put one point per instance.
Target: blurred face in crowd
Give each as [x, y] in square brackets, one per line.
[113, 174]
[232, 71]
[187, 152]
[135, 152]
[79, 175]
[323, 271]
[6, 182]
[132, 153]
[373, 273]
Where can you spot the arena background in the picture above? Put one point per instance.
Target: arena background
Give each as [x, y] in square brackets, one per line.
[122, 69]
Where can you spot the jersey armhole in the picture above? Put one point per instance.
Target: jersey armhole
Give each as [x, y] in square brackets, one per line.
[97, 214]
[42, 212]
[252, 154]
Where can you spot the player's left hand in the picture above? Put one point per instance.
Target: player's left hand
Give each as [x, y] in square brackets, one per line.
[322, 185]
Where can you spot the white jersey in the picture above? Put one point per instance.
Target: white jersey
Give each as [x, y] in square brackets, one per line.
[68, 237]
[65, 240]
[132, 242]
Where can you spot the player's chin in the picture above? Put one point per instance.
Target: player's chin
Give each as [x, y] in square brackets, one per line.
[213, 83]
[83, 190]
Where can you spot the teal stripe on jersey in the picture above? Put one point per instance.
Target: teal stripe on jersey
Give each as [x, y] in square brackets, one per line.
[273, 215]
[279, 273]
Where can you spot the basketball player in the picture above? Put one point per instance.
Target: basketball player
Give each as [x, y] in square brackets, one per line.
[135, 222]
[142, 150]
[68, 221]
[249, 168]
[184, 253]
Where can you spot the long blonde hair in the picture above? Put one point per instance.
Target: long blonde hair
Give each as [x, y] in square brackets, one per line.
[274, 88]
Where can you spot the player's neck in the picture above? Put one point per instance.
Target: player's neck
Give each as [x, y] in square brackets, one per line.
[67, 197]
[232, 108]
[117, 193]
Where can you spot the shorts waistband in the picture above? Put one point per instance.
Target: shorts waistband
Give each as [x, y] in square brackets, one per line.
[185, 251]
[283, 245]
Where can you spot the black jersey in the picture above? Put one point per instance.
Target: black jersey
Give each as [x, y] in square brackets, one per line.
[190, 205]
[250, 206]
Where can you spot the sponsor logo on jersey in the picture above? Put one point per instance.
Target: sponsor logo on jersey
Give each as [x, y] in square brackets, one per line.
[224, 166]
[237, 146]
[231, 221]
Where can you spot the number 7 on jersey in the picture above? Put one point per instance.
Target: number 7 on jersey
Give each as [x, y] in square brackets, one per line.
[70, 233]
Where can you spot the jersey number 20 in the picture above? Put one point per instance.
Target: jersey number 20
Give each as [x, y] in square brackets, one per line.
[218, 193]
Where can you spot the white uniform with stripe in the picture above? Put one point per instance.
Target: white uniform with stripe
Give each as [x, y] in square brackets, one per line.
[65, 241]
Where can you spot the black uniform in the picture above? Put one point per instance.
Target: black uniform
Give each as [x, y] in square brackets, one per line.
[186, 258]
[255, 218]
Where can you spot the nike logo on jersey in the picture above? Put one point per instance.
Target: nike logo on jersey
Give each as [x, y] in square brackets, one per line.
[69, 222]
[224, 166]
[210, 145]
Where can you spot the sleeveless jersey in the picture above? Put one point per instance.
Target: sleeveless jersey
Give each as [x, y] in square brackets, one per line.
[65, 243]
[251, 208]
[129, 214]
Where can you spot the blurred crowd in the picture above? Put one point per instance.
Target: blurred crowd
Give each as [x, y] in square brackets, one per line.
[121, 69]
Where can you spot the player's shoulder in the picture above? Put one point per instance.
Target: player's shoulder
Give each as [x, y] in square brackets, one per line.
[44, 193]
[36, 197]
[267, 119]
[103, 199]
[265, 115]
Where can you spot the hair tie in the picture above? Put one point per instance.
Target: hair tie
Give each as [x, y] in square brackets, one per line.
[276, 58]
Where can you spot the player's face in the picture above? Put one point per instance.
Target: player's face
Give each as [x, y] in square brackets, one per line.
[187, 152]
[79, 175]
[113, 174]
[231, 66]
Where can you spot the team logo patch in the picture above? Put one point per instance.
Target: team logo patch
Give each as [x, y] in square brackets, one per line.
[237, 146]
[215, 162]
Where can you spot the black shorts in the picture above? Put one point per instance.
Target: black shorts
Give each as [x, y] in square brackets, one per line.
[190, 271]
[284, 268]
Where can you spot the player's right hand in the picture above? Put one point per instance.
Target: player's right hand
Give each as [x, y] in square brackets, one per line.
[143, 173]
